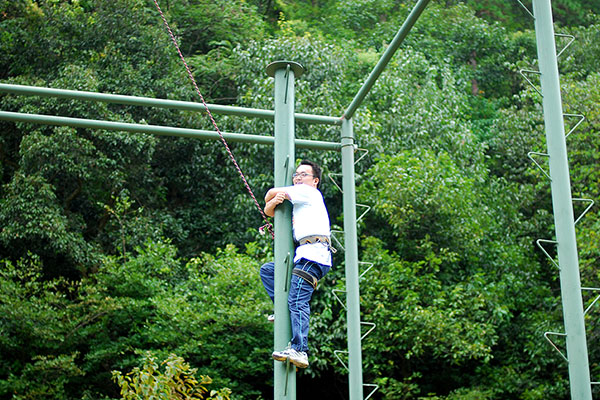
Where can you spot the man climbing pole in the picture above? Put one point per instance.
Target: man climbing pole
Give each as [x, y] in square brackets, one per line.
[312, 260]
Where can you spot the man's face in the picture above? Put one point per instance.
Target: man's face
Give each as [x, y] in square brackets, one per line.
[304, 175]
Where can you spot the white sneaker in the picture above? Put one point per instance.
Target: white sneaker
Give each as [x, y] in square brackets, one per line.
[271, 318]
[298, 358]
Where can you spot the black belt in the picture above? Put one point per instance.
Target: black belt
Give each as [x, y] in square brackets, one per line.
[312, 280]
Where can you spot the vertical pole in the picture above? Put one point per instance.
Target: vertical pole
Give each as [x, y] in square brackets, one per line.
[284, 160]
[579, 372]
[351, 244]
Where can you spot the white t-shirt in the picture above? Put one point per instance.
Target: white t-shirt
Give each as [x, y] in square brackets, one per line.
[309, 217]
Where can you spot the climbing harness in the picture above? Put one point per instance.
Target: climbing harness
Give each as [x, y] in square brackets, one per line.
[191, 76]
[318, 239]
[312, 280]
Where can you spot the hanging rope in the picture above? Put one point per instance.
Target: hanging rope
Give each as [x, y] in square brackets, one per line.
[191, 76]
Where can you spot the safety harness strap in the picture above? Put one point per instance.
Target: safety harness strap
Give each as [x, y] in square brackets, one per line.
[318, 239]
[312, 280]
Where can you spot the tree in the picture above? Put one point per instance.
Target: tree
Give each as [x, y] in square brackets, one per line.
[114, 245]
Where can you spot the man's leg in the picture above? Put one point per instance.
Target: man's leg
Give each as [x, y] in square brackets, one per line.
[298, 302]
[267, 275]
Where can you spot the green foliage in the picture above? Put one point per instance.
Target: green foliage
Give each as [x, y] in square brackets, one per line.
[33, 221]
[229, 302]
[484, 53]
[581, 98]
[422, 195]
[46, 377]
[439, 226]
[189, 309]
[35, 321]
[409, 108]
[176, 382]
[577, 60]
[566, 12]
[452, 323]
[208, 31]
[61, 339]
[205, 25]
[115, 245]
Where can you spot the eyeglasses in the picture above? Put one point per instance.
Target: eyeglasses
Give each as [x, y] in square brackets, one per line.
[300, 175]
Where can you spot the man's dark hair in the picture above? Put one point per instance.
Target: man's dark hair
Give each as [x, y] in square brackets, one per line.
[316, 170]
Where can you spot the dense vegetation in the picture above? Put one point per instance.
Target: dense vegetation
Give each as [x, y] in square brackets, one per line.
[119, 248]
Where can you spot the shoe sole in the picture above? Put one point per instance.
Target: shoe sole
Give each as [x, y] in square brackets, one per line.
[299, 364]
[279, 358]
[285, 358]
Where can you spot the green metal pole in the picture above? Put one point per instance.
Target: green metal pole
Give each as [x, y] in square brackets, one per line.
[579, 371]
[158, 130]
[386, 57]
[160, 103]
[355, 381]
[284, 72]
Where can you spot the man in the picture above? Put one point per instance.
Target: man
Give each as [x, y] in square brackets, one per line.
[310, 224]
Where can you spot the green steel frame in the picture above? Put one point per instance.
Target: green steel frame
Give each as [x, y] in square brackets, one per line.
[562, 202]
[158, 130]
[284, 143]
[160, 103]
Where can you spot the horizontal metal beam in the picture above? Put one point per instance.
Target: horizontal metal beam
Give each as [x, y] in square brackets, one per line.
[160, 103]
[385, 58]
[158, 130]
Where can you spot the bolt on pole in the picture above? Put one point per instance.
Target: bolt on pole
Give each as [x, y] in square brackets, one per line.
[562, 202]
[284, 73]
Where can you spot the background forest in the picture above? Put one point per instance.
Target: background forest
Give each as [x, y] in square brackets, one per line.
[117, 249]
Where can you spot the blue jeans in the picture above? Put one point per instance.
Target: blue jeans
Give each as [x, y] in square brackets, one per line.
[298, 298]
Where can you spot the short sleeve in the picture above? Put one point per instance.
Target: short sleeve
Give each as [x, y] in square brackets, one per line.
[300, 194]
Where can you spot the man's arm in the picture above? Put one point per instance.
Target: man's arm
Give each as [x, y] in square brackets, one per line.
[273, 198]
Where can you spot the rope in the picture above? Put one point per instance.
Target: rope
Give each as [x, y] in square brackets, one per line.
[191, 76]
